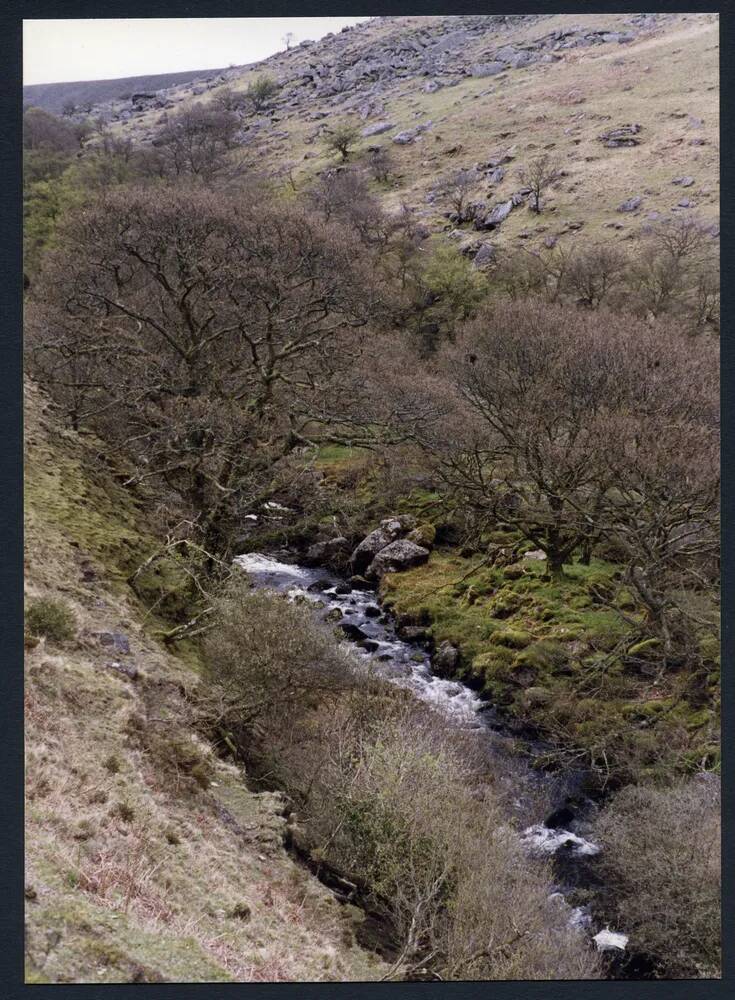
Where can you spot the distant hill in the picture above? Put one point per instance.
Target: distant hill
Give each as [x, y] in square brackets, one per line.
[53, 96]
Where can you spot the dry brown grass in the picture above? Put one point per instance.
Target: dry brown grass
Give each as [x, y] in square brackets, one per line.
[134, 870]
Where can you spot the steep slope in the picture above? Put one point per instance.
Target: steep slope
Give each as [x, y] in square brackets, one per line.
[482, 92]
[148, 859]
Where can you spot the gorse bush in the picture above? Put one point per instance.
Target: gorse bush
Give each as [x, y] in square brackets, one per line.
[661, 864]
[50, 618]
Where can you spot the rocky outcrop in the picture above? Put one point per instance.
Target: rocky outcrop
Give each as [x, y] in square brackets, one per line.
[397, 544]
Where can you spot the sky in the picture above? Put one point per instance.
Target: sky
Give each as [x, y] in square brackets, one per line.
[59, 51]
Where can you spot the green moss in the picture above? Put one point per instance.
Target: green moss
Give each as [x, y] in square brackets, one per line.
[543, 655]
[646, 646]
[515, 638]
[424, 534]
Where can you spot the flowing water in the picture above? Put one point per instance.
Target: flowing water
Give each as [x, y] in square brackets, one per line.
[372, 634]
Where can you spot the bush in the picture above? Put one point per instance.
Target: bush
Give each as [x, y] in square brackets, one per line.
[388, 796]
[267, 659]
[341, 138]
[661, 861]
[52, 619]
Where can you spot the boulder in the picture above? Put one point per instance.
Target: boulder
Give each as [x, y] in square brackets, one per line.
[487, 69]
[499, 214]
[327, 552]
[397, 556]
[485, 255]
[377, 129]
[445, 660]
[622, 135]
[630, 204]
[404, 138]
[353, 632]
[368, 549]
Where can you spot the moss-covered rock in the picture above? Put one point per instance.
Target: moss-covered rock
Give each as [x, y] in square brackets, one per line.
[514, 637]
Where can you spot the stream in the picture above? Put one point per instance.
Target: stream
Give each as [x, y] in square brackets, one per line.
[371, 633]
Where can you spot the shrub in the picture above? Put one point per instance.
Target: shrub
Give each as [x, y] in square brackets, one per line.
[661, 861]
[261, 90]
[50, 618]
[341, 138]
[267, 659]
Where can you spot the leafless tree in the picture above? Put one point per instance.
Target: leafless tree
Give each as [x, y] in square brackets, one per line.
[458, 188]
[196, 331]
[539, 175]
[195, 142]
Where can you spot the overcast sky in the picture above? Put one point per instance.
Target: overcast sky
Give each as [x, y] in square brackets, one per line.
[106, 48]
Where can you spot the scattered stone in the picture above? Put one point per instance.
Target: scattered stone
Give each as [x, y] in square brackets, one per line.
[369, 645]
[353, 632]
[373, 611]
[124, 668]
[377, 129]
[485, 255]
[404, 138]
[412, 633]
[622, 135]
[631, 204]
[487, 69]
[535, 554]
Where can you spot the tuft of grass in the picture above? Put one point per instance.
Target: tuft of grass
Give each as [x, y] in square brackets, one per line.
[52, 619]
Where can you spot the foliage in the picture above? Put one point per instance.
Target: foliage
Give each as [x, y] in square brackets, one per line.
[261, 90]
[341, 137]
[50, 618]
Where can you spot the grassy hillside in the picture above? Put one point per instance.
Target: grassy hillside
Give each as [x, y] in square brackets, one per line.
[148, 859]
[665, 80]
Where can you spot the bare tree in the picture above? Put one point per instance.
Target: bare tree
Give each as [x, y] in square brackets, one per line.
[198, 332]
[571, 427]
[458, 188]
[288, 39]
[539, 175]
[195, 142]
[675, 270]
[592, 272]
[381, 164]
